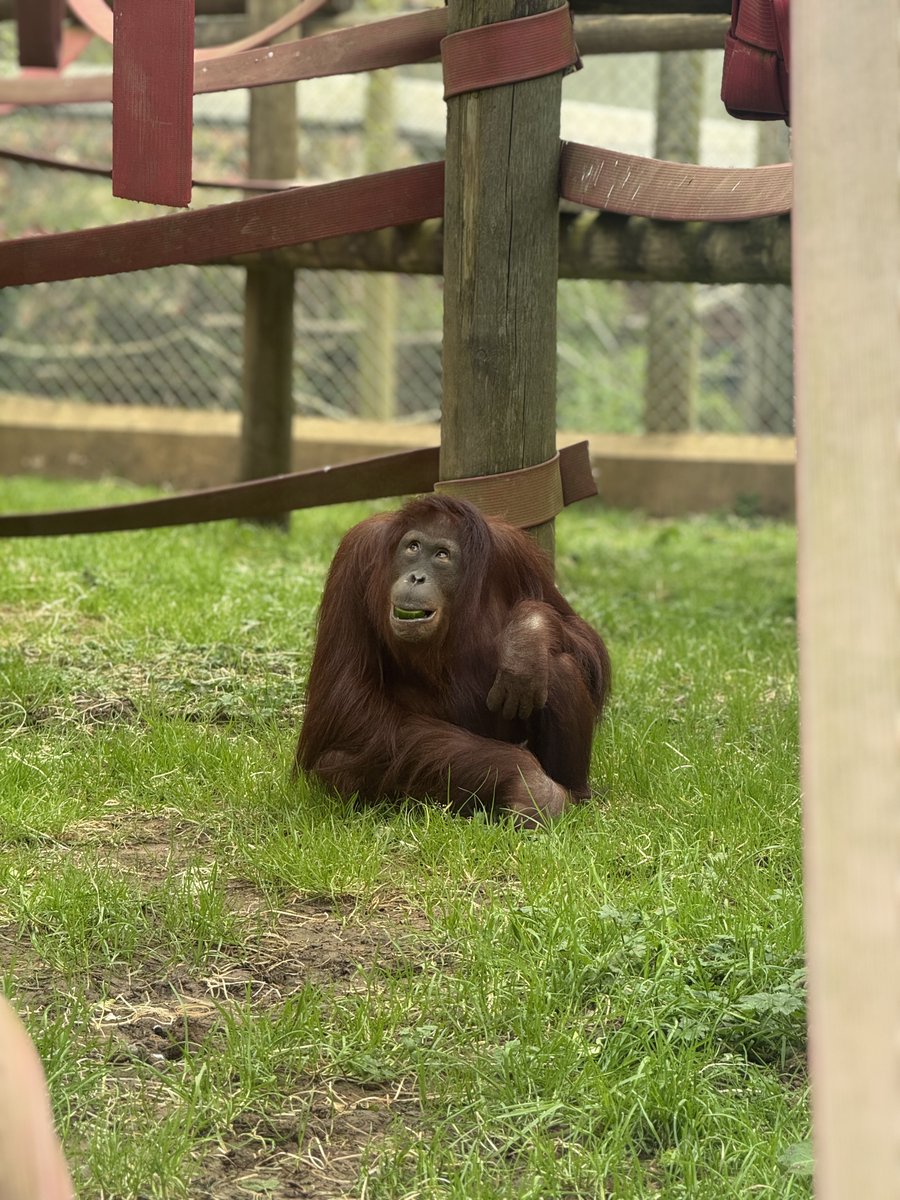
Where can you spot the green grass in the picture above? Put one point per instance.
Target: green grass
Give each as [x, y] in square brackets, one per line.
[242, 986]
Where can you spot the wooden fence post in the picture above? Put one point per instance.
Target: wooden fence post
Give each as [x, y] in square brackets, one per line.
[672, 333]
[845, 77]
[377, 345]
[500, 267]
[268, 405]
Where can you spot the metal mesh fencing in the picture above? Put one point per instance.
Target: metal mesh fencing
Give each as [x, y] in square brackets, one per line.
[631, 358]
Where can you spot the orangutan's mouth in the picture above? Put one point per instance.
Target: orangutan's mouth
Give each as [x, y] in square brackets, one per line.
[413, 614]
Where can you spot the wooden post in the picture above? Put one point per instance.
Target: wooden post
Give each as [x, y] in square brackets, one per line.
[500, 268]
[40, 31]
[845, 88]
[268, 404]
[673, 347]
[377, 350]
[768, 393]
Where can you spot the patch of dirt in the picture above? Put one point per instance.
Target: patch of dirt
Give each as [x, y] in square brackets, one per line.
[151, 847]
[87, 709]
[218, 685]
[153, 1012]
[322, 940]
[321, 947]
[154, 1032]
[313, 1156]
[315, 1148]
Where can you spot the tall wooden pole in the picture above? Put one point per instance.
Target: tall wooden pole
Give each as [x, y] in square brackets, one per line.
[845, 89]
[673, 344]
[268, 403]
[500, 268]
[377, 357]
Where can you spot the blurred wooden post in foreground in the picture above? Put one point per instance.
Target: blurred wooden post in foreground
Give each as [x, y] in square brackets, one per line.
[268, 403]
[846, 86]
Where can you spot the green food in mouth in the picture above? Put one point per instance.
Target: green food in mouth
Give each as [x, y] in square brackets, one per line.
[411, 614]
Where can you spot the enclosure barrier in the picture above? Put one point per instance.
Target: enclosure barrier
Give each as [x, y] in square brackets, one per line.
[477, 58]
[526, 498]
[599, 179]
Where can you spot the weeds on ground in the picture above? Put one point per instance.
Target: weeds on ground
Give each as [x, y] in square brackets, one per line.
[242, 986]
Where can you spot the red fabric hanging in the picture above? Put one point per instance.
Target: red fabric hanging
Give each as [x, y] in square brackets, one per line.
[40, 32]
[756, 78]
[153, 100]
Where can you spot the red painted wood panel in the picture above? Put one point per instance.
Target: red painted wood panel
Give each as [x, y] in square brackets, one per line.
[153, 77]
[40, 31]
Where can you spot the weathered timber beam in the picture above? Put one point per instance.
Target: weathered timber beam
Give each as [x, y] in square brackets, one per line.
[638, 34]
[590, 247]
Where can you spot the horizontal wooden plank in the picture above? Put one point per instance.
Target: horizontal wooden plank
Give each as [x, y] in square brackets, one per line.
[604, 246]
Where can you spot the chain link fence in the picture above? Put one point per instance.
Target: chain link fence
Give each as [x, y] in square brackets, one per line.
[632, 357]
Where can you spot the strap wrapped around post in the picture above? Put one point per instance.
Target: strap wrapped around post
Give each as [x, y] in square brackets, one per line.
[509, 52]
[397, 474]
[533, 495]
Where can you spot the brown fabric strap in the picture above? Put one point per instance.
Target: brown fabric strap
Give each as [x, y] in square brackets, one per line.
[631, 185]
[508, 51]
[394, 42]
[401, 474]
[576, 472]
[527, 497]
[668, 191]
[370, 479]
[286, 218]
[532, 495]
[488, 56]
[153, 101]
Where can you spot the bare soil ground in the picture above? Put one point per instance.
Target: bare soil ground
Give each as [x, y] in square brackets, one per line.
[314, 1148]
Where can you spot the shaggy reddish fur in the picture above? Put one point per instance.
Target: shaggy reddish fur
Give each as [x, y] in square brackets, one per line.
[384, 718]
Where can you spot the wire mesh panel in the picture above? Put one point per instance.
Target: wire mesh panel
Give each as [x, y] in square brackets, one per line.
[669, 357]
